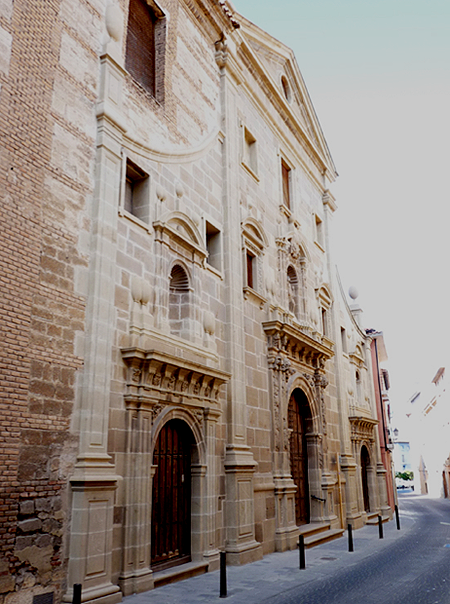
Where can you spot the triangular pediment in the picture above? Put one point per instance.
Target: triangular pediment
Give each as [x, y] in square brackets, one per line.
[278, 64]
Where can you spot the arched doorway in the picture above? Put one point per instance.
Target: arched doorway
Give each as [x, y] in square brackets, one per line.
[171, 496]
[299, 420]
[365, 463]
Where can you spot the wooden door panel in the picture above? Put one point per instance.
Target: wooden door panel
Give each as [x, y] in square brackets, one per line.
[171, 509]
[365, 462]
[299, 461]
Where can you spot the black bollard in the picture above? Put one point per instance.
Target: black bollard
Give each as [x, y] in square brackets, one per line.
[76, 598]
[380, 527]
[301, 550]
[223, 574]
[397, 517]
[350, 538]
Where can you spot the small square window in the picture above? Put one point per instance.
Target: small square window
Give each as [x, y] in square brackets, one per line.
[213, 245]
[286, 182]
[136, 197]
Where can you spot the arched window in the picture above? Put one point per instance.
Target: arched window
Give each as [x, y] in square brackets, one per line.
[325, 303]
[179, 302]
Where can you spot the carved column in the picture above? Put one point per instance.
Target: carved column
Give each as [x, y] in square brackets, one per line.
[286, 531]
[328, 481]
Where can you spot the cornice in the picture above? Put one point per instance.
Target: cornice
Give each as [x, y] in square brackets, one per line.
[152, 374]
[173, 154]
[297, 344]
[325, 164]
[216, 13]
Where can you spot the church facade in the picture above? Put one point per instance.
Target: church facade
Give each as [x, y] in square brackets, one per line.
[183, 374]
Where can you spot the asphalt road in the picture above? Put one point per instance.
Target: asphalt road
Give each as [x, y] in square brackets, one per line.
[413, 570]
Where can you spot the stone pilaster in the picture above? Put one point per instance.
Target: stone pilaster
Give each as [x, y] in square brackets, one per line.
[136, 575]
[94, 480]
[210, 545]
[241, 545]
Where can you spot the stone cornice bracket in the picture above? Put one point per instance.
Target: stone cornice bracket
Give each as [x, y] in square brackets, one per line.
[221, 54]
[362, 428]
[285, 340]
[329, 200]
[226, 10]
[155, 375]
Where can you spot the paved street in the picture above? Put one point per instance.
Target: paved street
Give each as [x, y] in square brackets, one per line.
[410, 566]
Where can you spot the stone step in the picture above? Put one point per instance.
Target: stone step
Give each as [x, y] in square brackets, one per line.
[313, 528]
[179, 573]
[323, 537]
[372, 519]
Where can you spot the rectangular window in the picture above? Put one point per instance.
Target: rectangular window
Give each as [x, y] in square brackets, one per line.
[344, 340]
[249, 156]
[324, 322]
[213, 246]
[250, 269]
[136, 198]
[145, 47]
[319, 232]
[286, 182]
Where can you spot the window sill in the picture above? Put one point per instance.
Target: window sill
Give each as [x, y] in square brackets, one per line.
[248, 169]
[320, 246]
[125, 214]
[286, 211]
[251, 294]
[214, 271]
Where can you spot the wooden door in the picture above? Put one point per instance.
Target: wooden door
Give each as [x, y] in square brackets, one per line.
[171, 503]
[365, 462]
[299, 458]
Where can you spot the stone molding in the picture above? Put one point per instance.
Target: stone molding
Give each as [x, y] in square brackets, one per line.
[154, 375]
[299, 344]
[362, 428]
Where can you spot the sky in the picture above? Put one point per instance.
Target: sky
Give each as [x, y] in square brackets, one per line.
[378, 73]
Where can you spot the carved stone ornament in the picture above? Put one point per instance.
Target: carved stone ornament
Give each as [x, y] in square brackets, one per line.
[221, 54]
[198, 415]
[362, 428]
[296, 345]
[153, 374]
[156, 410]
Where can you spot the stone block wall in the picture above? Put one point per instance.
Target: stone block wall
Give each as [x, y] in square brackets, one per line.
[63, 220]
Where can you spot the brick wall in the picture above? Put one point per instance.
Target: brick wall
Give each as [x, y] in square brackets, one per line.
[40, 312]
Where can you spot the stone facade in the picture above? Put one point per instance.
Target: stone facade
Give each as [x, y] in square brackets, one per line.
[167, 278]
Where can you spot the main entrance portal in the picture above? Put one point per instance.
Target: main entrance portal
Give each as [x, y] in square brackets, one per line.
[171, 497]
[299, 415]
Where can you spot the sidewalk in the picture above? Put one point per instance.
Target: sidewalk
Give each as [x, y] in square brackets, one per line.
[278, 572]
